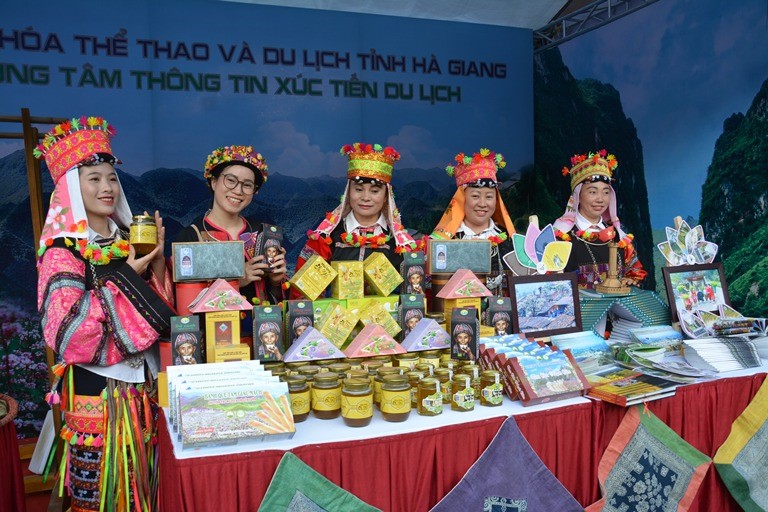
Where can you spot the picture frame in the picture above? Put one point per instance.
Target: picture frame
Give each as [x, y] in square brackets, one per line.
[707, 280]
[545, 305]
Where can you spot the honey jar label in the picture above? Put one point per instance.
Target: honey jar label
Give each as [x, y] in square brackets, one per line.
[376, 392]
[300, 403]
[325, 399]
[493, 394]
[395, 402]
[433, 361]
[356, 407]
[143, 234]
[465, 399]
[433, 403]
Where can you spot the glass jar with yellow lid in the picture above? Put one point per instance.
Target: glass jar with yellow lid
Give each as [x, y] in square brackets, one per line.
[492, 391]
[379, 379]
[326, 396]
[395, 397]
[357, 402]
[298, 391]
[430, 400]
[463, 396]
[143, 234]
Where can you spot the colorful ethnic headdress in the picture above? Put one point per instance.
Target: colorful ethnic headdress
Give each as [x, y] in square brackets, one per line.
[597, 166]
[70, 145]
[75, 143]
[242, 155]
[478, 170]
[371, 162]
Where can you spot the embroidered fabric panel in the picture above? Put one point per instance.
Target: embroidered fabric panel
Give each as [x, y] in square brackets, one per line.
[752, 464]
[500, 504]
[646, 477]
[300, 503]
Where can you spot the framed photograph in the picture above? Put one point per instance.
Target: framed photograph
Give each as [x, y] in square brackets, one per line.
[695, 288]
[545, 305]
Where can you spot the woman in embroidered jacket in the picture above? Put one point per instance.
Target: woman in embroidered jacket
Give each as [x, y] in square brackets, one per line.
[102, 309]
[235, 174]
[590, 222]
[477, 211]
[367, 219]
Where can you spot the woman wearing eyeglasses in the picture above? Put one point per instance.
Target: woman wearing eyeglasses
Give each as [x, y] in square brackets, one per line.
[235, 174]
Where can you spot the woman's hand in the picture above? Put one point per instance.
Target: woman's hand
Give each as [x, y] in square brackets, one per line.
[140, 264]
[255, 269]
[158, 261]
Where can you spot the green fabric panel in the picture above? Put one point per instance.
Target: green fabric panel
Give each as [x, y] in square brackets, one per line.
[671, 440]
[738, 487]
[293, 475]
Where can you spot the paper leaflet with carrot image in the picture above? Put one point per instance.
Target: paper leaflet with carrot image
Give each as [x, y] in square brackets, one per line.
[373, 340]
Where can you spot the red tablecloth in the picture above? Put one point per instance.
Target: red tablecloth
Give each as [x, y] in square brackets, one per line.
[411, 472]
[12, 495]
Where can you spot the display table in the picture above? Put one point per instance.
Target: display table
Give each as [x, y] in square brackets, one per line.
[409, 466]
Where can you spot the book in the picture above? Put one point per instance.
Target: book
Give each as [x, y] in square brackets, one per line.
[721, 354]
[628, 387]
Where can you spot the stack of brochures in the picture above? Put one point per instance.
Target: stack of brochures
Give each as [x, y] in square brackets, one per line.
[723, 354]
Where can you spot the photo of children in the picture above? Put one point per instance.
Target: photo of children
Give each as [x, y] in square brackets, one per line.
[414, 280]
[269, 335]
[501, 323]
[412, 317]
[185, 347]
[462, 347]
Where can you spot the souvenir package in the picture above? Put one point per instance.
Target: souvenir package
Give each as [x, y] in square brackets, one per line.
[269, 242]
[498, 315]
[320, 305]
[337, 324]
[426, 335]
[349, 282]
[222, 330]
[314, 277]
[373, 340]
[268, 333]
[380, 275]
[219, 296]
[413, 271]
[539, 380]
[376, 314]
[464, 333]
[206, 261]
[312, 346]
[299, 315]
[240, 352]
[186, 340]
[411, 311]
[389, 303]
[463, 290]
[449, 256]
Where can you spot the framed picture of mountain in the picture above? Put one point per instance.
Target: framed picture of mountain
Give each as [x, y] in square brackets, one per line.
[695, 288]
[545, 305]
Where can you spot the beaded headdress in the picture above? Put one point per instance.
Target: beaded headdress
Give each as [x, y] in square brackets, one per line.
[370, 161]
[597, 166]
[242, 155]
[479, 169]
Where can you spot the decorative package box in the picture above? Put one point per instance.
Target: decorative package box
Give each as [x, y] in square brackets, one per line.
[376, 314]
[206, 261]
[349, 282]
[373, 340]
[411, 311]
[268, 242]
[312, 346]
[545, 380]
[413, 270]
[219, 296]
[464, 333]
[390, 303]
[186, 340]
[253, 413]
[268, 333]
[426, 335]
[449, 256]
[299, 315]
[499, 315]
[314, 277]
[380, 275]
[337, 323]
[239, 352]
[222, 329]
[320, 305]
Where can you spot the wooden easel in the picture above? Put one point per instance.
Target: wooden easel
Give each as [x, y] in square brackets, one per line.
[30, 135]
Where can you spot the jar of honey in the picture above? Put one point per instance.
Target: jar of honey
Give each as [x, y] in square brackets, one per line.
[463, 396]
[473, 371]
[395, 397]
[444, 375]
[426, 368]
[143, 234]
[293, 368]
[430, 357]
[282, 373]
[274, 365]
[299, 394]
[326, 396]
[407, 361]
[357, 402]
[387, 360]
[413, 379]
[430, 400]
[340, 369]
[379, 380]
[358, 373]
[445, 355]
[491, 392]
[372, 367]
[353, 363]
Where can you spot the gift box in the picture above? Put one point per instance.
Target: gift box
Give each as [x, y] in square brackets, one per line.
[222, 329]
[268, 333]
[411, 310]
[498, 315]
[380, 275]
[337, 323]
[376, 314]
[239, 352]
[449, 256]
[373, 340]
[426, 335]
[219, 296]
[463, 290]
[206, 261]
[314, 277]
[320, 305]
[390, 303]
[186, 340]
[413, 270]
[268, 242]
[348, 283]
[464, 333]
[312, 346]
[299, 315]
